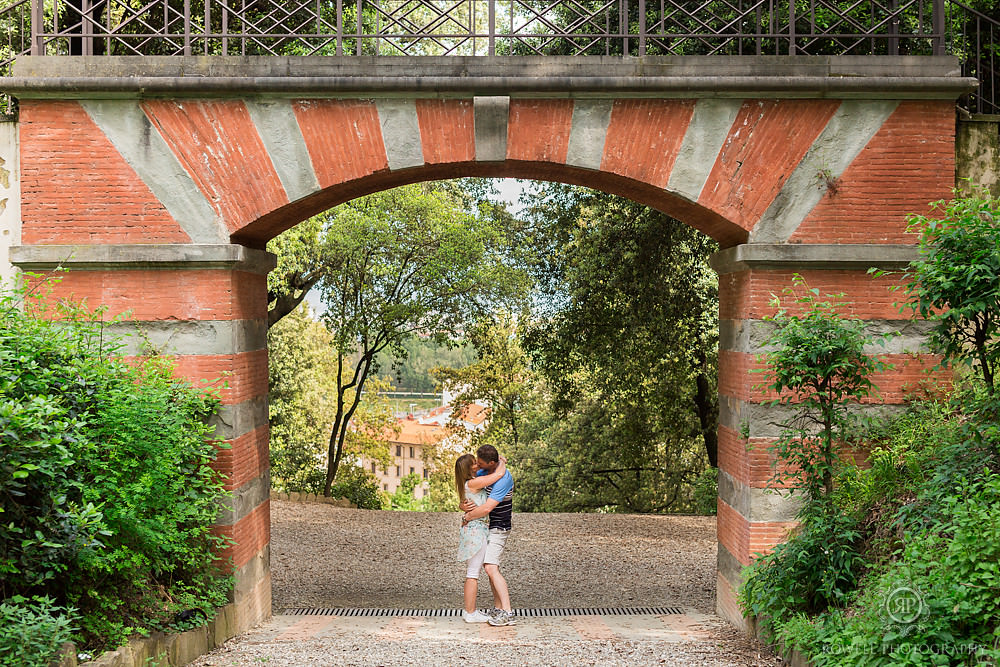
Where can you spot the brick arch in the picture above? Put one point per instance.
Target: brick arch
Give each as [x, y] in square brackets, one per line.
[162, 206]
[233, 170]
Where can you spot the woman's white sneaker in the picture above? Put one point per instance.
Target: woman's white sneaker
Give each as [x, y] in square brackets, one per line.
[475, 617]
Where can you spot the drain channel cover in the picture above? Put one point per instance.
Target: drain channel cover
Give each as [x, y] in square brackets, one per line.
[562, 611]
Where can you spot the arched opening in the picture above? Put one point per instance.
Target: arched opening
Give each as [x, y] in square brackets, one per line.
[644, 561]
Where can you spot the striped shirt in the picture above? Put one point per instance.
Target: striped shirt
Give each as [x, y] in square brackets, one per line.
[503, 492]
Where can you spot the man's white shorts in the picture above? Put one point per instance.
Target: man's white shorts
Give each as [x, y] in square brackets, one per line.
[494, 545]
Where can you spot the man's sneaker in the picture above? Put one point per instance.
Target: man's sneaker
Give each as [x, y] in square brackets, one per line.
[475, 617]
[503, 618]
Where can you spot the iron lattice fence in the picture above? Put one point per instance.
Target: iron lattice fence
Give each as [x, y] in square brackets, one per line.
[508, 27]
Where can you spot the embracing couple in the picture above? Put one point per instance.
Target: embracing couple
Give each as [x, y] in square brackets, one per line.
[486, 493]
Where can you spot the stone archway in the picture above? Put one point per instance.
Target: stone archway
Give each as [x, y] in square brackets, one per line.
[160, 201]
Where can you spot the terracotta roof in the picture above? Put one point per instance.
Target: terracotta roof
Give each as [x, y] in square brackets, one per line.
[412, 432]
[475, 413]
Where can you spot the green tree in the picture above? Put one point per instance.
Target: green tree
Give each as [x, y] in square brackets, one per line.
[629, 310]
[499, 377]
[818, 366]
[956, 282]
[624, 340]
[302, 399]
[409, 262]
[420, 356]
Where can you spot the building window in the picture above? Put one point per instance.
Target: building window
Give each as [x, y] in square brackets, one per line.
[411, 454]
[373, 468]
[385, 487]
[399, 450]
[397, 471]
[411, 470]
[426, 474]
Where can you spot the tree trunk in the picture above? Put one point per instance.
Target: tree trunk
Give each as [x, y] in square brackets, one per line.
[707, 407]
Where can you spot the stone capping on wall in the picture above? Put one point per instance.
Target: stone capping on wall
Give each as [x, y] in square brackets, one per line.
[165, 650]
[895, 77]
[296, 497]
[142, 256]
[812, 256]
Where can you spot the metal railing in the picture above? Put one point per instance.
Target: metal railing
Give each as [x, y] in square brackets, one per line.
[975, 39]
[506, 27]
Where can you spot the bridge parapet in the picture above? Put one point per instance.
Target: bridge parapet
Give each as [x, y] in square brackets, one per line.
[427, 28]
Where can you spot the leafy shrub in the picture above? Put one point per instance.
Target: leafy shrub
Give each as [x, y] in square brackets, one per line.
[360, 488]
[705, 492]
[818, 365]
[110, 498]
[31, 631]
[951, 574]
[819, 566]
[956, 283]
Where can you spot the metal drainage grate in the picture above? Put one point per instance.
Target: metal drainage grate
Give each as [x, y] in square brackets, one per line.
[563, 611]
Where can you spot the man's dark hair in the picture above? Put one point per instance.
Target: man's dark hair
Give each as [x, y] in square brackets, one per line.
[488, 453]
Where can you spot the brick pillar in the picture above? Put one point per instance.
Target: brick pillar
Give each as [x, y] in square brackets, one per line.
[205, 305]
[751, 518]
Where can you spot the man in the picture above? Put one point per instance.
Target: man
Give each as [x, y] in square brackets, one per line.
[499, 506]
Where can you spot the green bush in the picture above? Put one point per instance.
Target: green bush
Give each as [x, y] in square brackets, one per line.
[31, 631]
[110, 498]
[360, 488]
[931, 533]
[705, 492]
[818, 567]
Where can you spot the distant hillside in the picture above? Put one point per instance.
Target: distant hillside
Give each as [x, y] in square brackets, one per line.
[414, 373]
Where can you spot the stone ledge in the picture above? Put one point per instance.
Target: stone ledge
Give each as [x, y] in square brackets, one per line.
[297, 497]
[142, 256]
[788, 256]
[889, 77]
[172, 650]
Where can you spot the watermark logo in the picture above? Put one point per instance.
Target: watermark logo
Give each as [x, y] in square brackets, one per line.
[904, 605]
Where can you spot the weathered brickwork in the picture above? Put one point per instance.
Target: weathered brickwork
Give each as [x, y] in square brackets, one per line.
[744, 538]
[644, 137]
[748, 295]
[77, 188]
[183, 294]
[447, 131]
[765, 143]
[234, 377]
[249, 535]
[246, 458]
[344, 139]
[538, 130]
[219, 147]
[740, 377]
[909, 163]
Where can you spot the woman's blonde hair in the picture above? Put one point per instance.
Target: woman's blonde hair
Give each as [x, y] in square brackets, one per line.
[463, 473]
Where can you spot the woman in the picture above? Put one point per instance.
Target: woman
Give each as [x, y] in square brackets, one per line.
[472, 539]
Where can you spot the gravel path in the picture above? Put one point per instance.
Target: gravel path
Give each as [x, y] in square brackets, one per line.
[322, 556]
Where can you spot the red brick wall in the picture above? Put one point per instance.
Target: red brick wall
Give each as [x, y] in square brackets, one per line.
[344, 139]
[766, 143]
[644, 137]
[246, 459]
[908, 163]
[77, 188]
[538, 130]
[251, 534]
[219, 146]
[182, 294]
[447, 130]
